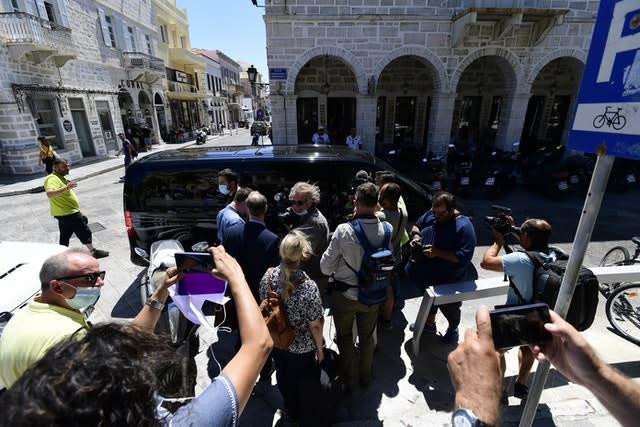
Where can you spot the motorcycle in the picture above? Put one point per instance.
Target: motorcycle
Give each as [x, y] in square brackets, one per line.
[172, 323]
[436, 176]
[255, 138]
[502, 172]
[544, 171]
[201, 137]
[459, 165]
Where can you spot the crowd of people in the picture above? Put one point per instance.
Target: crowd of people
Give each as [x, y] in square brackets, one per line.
[61, 370]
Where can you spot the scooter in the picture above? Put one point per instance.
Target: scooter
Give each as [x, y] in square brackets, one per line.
[201, 137]
[502, 172]
[172, 323]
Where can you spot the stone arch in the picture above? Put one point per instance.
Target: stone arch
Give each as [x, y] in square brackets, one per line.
[346, 56]
[578, 54]
[508, 56]
[157, 99]
[432, 61]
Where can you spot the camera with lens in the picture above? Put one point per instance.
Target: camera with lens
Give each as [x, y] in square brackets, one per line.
[289, 218]
[500, 221]
[416, 248]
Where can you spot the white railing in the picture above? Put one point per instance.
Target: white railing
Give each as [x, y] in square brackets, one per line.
[142, 60]
[21, 27]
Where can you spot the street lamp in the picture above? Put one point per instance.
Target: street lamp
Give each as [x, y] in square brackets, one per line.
[252, 74]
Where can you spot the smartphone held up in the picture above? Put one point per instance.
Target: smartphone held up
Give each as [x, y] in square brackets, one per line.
[521, 325]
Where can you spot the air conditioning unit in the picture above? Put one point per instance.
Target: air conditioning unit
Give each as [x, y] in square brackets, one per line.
[137, 62]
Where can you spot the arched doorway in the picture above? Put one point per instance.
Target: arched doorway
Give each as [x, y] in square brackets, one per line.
[126, 110]
[403, 108]
[327, 90]
[145, 108]
[553, 95]
[161, 116]
[481, 108]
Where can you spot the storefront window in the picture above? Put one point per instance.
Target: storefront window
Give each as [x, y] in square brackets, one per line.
[47, 120]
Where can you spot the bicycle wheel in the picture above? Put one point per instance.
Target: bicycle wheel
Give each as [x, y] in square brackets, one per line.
[615, 256]
[619, 124]
[598, 121]
[623, 311]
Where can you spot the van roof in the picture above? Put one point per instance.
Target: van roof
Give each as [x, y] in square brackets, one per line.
[279, 152]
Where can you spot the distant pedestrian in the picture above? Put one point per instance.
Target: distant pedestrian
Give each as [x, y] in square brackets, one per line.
[128, 150]
[320, 137]
[147, 133]
[47, 154]
[353, 140]
[66, 208]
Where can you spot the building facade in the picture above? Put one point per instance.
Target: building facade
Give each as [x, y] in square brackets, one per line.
[184, 83]
[231, 88]
[218, 109]
[62, 78]
[424, 72]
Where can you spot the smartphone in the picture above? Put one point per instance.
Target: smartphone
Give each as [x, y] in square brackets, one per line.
[519, 325]
[196, 274]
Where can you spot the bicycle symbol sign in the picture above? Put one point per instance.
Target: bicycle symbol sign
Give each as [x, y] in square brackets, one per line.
[612, 119]
[608, 105]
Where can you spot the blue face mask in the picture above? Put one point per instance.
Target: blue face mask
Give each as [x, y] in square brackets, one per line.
[85, 297]
[223, 189]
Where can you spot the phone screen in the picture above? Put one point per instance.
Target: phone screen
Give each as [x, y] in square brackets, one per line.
[197, 278]
[519, 325]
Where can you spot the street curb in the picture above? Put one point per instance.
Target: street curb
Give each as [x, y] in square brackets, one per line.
[40, 188]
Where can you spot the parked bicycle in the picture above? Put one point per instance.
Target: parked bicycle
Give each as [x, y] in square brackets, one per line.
[623, 299]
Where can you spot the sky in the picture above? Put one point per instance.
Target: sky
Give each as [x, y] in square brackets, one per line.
[234, 27]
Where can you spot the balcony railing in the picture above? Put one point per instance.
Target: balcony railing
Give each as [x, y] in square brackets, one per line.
[20, 27]
[181, 87]
[142, 60]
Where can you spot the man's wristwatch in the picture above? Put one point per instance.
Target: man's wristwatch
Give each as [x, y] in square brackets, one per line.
[463, 417]
[155, 304]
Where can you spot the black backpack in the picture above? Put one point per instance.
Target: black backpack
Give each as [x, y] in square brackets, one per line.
[376, 268]
[547, 278]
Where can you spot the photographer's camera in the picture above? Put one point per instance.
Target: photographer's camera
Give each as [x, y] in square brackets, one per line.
[501, 220]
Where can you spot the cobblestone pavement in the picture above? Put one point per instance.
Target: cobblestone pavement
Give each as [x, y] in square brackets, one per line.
[407, 390]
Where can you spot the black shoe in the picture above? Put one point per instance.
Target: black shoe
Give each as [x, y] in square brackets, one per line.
[99, 253]
[520, 391]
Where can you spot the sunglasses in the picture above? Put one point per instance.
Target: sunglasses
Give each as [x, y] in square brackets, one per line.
[90, 278]
[297, 202]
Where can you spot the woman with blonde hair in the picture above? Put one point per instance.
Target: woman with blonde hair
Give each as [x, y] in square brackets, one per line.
[303, 306]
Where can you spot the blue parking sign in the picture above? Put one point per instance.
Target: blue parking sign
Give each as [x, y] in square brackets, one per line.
[608, 106]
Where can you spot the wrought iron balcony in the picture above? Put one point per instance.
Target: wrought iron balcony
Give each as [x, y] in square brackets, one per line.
[41, 39]
[148, 68]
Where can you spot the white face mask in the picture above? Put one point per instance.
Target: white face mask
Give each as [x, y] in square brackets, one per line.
[223, 189]
[84, 297]
[301, 213]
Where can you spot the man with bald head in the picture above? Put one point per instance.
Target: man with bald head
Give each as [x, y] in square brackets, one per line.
[70, 283]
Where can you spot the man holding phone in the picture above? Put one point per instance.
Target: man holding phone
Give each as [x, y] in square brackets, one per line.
[534, 236]
[476, 375]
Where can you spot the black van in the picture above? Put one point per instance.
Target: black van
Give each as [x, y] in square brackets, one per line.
[173, 194]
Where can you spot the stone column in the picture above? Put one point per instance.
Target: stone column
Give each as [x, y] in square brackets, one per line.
[366, 121]
[284, 126]
[512, 120]
[440, 122]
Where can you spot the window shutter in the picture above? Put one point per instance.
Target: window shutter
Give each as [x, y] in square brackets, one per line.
[105, 28]
[141, 44]
[64, 17]
[125, 32]
[42, 11]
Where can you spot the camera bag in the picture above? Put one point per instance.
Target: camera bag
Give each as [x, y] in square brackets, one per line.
[547, 278]
[376, 267]
[273, 312]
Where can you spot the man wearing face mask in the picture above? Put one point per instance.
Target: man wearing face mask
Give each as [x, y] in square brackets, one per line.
[71, 282]
[228, 183]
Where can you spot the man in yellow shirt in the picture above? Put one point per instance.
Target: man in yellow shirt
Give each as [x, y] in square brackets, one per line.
[66, 208]
[71, 281]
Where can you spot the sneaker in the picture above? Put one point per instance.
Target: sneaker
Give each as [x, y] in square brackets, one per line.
[451, 337]
[521, 391]
[99, 253]
[429, 329]
[386, 325]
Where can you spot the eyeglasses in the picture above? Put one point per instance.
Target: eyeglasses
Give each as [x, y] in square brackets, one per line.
[90, 278]
[297, 202]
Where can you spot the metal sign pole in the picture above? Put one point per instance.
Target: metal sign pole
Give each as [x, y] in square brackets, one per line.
[588, 218]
